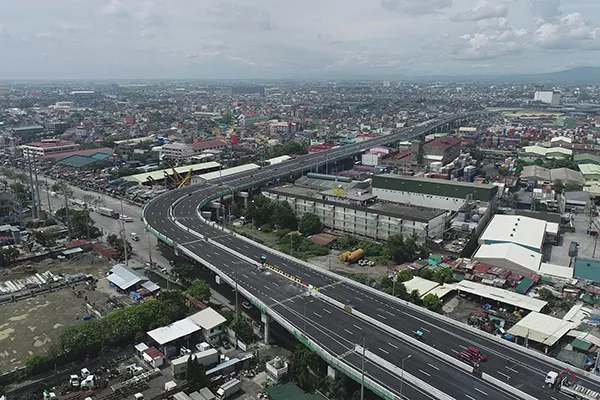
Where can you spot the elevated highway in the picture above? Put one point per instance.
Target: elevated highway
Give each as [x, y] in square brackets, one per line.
[319, 320]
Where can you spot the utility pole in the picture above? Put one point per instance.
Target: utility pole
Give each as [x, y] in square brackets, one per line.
[48, 195]
[37, 186]
[31, 188]
[237, 307]
[123, 234]
[150, 250]
[362, 373]
[64, 188]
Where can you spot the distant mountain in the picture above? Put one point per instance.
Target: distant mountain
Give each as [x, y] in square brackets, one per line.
[581, 75]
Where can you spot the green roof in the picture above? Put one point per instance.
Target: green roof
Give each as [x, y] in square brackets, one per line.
[586, 158]
[290, 391]
[78, 161]
[437, 187]
[586, 268]
[524, 285]
[581, 345]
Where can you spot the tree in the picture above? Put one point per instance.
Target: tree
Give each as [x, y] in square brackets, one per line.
[303, 365]
[426, 273]
[443, 275]
[283, 216]
[414, 296]
[200, 290]
[174, 304]
[80, 222]
[396, 248]
[545, 294]
[260, 210]
[432, 302]
[44, 239]
[242, 328]
[19, 190]
[558, 186]
[310, 224]
[8, 255]
[404, 276]
[185, 271]
[195, 374]
[117, 243]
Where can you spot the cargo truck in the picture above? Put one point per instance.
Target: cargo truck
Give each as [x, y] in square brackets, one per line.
[228, 388]
[352, 256]
[108, 212]
[570, 387]
[207, 358]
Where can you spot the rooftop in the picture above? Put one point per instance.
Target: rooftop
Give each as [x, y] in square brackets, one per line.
[176, 330]
[501, 295]
[209, 144]
[524, 231]
[444, 142]
[511, 252]
[207, 319]
[160, 174]
[541, 328]
[124, 277]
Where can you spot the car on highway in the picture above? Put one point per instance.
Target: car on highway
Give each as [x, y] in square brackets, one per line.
[468, 359]
[246, 305]
[476, 353]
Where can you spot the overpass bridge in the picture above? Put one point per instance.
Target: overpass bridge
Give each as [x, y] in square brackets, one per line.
[334, 316]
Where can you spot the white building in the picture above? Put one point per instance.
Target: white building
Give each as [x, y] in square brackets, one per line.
[529, 233]
[47, 147]
[432, 193]
[177, 151]
[551, 97]
[509, 256]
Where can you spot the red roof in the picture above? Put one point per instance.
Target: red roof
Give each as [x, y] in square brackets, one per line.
[57, 156]
[443, 142]
[154, 353]
[208, 144]
[482, 268]
[78, 243]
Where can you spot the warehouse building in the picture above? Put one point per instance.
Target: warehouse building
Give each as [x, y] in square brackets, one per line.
[357, 214]
[529, 233]
[432, 193]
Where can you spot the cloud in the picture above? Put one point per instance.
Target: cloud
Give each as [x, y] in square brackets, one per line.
[483, 9]
[416, 7]
[492, 42]
[570, 32]
[545, 10]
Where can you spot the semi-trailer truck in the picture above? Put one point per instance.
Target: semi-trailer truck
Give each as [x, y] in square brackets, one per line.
[561, 382]
[108, 212]
[228, 388]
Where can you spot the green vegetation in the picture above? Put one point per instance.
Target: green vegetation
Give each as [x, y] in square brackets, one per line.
[553, 301]
[432, 302]
[119, 328]
[310, 224]
[8, 255]
[242, 328]
[80, 223]
[200, 290]
[116, 242]
[288, 148]
[397, 249]
[195, 374]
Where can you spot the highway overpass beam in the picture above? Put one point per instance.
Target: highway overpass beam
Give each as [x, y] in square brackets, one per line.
[267, 322]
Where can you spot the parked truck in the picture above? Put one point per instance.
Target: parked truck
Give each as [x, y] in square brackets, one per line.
[567, 383]
[108, 212]
[228, 388]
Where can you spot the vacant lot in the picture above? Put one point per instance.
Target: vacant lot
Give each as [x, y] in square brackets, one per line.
[29, 326]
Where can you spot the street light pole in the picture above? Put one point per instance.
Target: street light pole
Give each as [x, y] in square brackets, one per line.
[362, 373]
[237, 308]
[402, 373]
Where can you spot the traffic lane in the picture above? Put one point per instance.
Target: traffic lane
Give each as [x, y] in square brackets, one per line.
[326, 322]
[421, 364]
[338, 349]
[515, 374]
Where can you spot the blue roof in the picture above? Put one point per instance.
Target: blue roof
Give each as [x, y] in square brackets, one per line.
[586, 268]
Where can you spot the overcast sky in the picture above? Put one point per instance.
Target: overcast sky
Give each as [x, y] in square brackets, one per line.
[47, 39]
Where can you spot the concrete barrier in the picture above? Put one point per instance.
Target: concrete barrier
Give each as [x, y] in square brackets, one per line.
[506, 387]
[395, 370]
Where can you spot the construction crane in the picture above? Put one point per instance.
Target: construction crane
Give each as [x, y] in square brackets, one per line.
[176, 180]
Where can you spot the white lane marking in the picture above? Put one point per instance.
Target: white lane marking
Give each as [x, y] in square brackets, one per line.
[553, 398]
[386, 352]
[380, 316]
[245, 276]
[317, 315]
[433, 366]
[425, 330]
[274, 283]
[392, 314]
[469, 397]
[266, 287]
[463, 347]
[358, 298]
[424, 373]
[358, 327]
[454, 351]
[348, 331]
[393, 345]
[327, 311]
[208, 255]
[504, 375]
[253, 272]
[513, 370]
[481, 391]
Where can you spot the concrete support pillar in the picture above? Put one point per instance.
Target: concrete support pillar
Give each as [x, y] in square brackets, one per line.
[332, 372]
[267, 322]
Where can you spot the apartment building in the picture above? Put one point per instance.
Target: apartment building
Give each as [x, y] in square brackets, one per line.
[47, 147]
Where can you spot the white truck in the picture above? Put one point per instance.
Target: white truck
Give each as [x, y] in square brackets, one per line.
[134, 236]
[108, 212]
[228, 388]
[561, 382]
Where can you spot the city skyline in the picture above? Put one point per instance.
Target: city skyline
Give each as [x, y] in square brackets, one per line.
[118, 39]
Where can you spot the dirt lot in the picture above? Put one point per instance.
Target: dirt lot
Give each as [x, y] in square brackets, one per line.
[29, 326]
[377, 271]
[459, 308]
